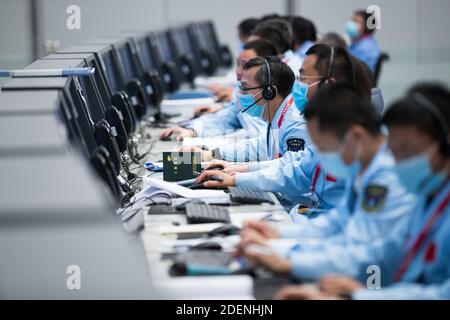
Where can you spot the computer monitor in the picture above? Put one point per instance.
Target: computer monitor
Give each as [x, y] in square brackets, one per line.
[184, 48]
[114, 79]
[78, 123]
[54, 217]
[101, 76]
[164, 47]
[33, 123]
[146, 54]
[209, 37]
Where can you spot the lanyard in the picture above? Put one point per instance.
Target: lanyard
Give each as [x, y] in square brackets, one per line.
[283, 112]
[280, 122]
[418, 243]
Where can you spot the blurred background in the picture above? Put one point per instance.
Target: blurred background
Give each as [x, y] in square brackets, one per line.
[414, 32]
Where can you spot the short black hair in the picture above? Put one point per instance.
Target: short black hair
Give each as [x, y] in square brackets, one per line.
[409, 111]
[333, 39]
[261, 47]
[246, 26]
[281, 76]
[345, 68]
[270, 16]
[365, 15]
[278, 32]
[303, 29]
[339, 106]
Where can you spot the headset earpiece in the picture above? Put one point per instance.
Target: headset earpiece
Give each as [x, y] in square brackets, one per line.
[439, 118]
[324, 81]
[269, 91]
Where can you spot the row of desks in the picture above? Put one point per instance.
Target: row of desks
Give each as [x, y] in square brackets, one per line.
[155, 243]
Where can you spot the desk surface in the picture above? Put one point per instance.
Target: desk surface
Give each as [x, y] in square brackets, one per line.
[222, 287]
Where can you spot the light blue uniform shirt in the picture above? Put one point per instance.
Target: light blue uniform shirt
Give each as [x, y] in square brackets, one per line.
[304, 47]
[373, 204]
[366, 49]
[226, 121]
[286, 132]
[292, 176]
[428, 274]
[293, 61]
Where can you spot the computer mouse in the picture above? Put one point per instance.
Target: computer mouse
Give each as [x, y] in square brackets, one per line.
[217, 167]
[225, 230]
[199, 114]
[199, 185]
[208, 245]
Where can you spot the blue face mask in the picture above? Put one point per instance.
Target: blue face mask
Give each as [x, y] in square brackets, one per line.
[332, 163]
[416, 175]
[248, 103]
[351, 29]
[300, 94]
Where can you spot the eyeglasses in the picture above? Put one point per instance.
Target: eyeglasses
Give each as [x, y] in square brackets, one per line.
[302, 77]
[243, 89]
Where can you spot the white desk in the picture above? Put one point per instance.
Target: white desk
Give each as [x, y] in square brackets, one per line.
[206, 287]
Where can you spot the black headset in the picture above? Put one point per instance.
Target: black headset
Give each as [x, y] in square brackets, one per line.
[324, 81]
[428, 105]
[269, 91]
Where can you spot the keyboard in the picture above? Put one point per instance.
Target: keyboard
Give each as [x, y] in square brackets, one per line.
[249, 196]
[202, 213]
[205, 258]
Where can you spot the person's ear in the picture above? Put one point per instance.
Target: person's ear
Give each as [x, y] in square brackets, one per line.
[358, 132]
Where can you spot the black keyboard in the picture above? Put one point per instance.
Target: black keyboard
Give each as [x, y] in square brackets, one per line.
[202, 213]
[249, 196]
[210, 258]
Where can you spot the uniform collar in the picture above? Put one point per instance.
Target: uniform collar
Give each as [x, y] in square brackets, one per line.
[280, 111]
[288, 55]
[304, 47]
[379, 160]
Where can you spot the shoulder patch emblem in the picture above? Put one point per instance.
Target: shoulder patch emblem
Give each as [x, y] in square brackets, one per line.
[295, 144]
[374, 198]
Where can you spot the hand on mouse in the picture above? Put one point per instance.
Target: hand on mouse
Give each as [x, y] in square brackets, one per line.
[179, 131]
[227, 167]
[227, 180]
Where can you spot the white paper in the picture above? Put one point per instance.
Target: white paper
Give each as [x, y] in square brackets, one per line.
[189, 228]
[184, 192]
[215, 287]
[186, 102]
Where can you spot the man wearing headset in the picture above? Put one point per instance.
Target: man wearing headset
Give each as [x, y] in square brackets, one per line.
[346, 133]
[413, 261]
[265, 94]
[297, 176]
[229, 119]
